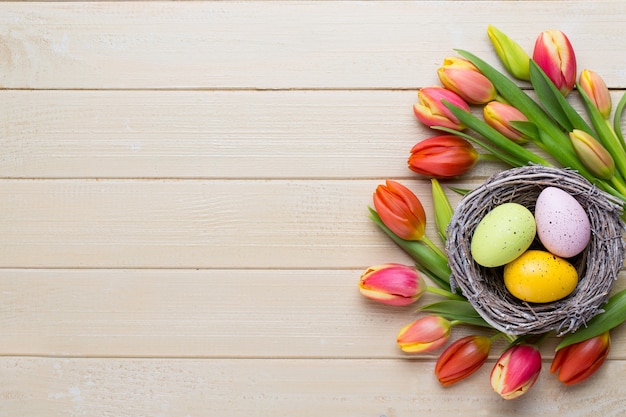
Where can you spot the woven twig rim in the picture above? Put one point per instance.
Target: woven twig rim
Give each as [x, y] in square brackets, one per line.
[598, 265]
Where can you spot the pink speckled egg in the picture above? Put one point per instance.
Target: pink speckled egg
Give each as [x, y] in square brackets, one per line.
[562, 223]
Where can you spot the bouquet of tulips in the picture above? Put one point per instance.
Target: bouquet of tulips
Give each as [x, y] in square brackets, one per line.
[513, 127]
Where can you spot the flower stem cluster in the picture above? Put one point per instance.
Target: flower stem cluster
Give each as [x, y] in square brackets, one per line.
[514, 125]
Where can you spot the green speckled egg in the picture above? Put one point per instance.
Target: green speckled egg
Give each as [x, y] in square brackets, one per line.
[502, 235]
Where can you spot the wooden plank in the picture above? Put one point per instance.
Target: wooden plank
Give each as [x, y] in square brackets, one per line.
[192, 45]
[54, 387]
[209, 314]
[194, 224]
[215, 134]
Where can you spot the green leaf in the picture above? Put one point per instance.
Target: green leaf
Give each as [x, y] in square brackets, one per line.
[421, 253]
[555, 103]
[548, 98]
[614, 314]
[460, 191]
[526, 128]
[456, 310]
[617, 118]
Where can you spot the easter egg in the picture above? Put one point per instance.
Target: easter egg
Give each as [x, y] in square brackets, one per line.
[562, 224]
[538, 276]
[502, 235]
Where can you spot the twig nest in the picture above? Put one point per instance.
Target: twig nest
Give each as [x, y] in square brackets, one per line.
[597, 265]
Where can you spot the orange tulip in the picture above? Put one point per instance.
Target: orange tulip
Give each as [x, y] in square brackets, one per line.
[579, 361]
[593, 85]
[462, 77]
[400, 210]
[592, 154]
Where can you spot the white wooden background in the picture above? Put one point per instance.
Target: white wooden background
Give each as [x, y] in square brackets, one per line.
[183, 198]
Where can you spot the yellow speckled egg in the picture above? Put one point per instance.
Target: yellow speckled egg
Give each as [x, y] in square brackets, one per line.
[540, 277]
[502, 235]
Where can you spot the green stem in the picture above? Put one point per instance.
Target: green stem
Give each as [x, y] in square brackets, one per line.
[498, 335]
[434, 247]
[619, 186]
[448, 294]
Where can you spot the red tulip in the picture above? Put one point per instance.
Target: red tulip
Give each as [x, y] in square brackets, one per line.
[444, 156]
[462, 358]
[400, 210]
[579, 361]
[393, 284]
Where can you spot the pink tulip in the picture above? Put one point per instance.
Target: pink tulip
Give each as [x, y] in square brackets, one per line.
[462, 77]
[500, 115]
[423, 335]
[555, 56]
[432, 111]
[516, 371]
[393, 284]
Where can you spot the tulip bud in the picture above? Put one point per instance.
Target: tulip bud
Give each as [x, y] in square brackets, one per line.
[511, 54]
[593, 85]
[462, 358]
[442, 207]
[462, 77]
[425, 334]
[555, 56]
[579, 361]
[432, 111]
[516, 371]
[393, 284]
[400, 210]
[500, 115]
[592, 154]
[444, 156]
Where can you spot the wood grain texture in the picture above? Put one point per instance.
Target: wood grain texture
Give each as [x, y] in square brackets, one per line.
[193, 224]
[214, 134]
[271, 45]
[209, 313]
[309, 388]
